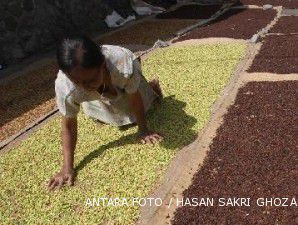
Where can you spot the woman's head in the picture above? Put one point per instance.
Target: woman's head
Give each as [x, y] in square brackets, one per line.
[81, 60]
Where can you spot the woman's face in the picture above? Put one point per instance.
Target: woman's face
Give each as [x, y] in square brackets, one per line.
[88, 79]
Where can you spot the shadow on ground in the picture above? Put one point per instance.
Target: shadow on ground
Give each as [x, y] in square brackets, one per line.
[162, 119]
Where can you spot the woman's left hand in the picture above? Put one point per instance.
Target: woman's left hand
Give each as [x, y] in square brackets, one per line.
[150, 137]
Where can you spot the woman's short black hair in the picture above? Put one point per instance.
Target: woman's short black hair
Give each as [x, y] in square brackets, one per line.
[78, 50]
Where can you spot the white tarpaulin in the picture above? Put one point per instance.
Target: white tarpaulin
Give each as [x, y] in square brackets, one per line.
[115, 20]
[142, 8]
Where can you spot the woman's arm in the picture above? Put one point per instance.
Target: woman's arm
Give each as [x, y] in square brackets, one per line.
[69, 139]
[137, 108]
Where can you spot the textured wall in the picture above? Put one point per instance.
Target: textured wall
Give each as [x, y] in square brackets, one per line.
[29, 26]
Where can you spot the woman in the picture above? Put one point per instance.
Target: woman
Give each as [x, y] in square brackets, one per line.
[107, 81]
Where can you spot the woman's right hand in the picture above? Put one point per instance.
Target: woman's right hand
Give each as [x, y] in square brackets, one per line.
[69, 139]
[61, 178]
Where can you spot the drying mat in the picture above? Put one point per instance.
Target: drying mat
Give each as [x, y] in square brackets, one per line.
[291, 4]
[191, 12]
[25, 99]
[278, 54]
[109, 162]
[286, 25]
[254, 155]
[236, 23]
[147, 32]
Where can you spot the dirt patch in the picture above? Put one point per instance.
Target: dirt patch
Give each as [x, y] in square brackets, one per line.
[286, 25]
[291, 4]
[253, 155]
[191, 12]
[236, 23]
[278, 54]
[147, 32]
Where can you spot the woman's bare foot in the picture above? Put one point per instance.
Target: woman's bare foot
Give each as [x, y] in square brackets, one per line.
[156, 88]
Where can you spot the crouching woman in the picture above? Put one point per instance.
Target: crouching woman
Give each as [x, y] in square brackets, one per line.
[107, 82]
